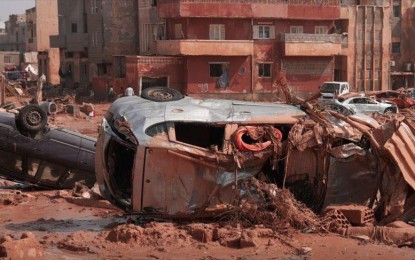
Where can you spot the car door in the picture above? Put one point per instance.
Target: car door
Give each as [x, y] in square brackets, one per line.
[372, 105]
[181, 179]
[359, 105]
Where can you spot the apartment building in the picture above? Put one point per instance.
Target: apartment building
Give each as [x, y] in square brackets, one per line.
[13, 37]
[42, 21]
[234, 49]
[94, 37]
[402, 45]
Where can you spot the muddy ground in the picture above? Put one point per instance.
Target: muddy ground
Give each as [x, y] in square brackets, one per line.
[61, 226]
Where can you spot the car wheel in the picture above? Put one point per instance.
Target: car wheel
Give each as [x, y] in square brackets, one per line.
[32, 118]
[412, 108]
[161, 94]
[389, 110]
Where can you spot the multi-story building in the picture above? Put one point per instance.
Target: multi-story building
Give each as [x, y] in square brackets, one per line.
[14, 36]
[402, 44]
[42, 21]
[94, 37]
[234, 49]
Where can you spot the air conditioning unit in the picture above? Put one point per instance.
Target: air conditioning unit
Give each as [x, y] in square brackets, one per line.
[392, 63]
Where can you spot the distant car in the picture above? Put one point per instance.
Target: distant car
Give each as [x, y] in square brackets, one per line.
[367, 105]
[400, 99]
[32, 152]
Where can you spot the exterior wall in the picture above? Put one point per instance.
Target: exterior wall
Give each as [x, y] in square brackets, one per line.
[14, 37]
[155, 67]
[9, 59]
[199, 81]
[302, 9]
[31, 30]
[369, 35]
[46, 22]
[403, 74]
[148, 21]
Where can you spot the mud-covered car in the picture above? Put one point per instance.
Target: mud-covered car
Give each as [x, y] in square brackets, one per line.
[32, 152]
[187, 155]
[400, 99]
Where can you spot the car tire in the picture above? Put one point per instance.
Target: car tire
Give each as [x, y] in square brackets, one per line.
[389, 110]
[412, 108]
[161, 94]
[32, 118]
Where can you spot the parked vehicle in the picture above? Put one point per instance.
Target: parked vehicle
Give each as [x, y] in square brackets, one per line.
[400, 99]
[180, 156]
[333, 89]
[32, 152]
[367, 105]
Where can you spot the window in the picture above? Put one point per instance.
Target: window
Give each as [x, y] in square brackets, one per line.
[321, 30]
[396, 47]
[84, 69]
[205, 136]
[217, 32]
[264, 70]
[216, 69]
[68, 55]
[178, 31]
[94, 6]
[396, 9]
[94, 39]
[74, 28]
[264, 32]
[296, 29]
[7, 59]
[11, 162]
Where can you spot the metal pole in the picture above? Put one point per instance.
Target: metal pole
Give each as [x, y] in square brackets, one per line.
[2, 90]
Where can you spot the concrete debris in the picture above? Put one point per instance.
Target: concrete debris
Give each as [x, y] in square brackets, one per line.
[27, 247]
[357, 215]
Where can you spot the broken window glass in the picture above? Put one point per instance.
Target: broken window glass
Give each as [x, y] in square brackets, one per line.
[11, 162]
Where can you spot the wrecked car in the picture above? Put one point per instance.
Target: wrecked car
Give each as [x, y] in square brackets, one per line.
[190, 155]
[400, 99]
[33, 152]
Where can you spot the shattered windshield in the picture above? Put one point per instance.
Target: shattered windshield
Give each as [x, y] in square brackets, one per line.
[330, 87]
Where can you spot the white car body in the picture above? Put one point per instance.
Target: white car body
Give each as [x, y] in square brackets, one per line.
[367, 105]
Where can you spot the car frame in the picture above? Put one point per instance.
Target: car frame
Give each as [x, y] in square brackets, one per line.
[35, 153]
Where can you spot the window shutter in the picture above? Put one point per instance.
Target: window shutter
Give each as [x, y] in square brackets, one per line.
[222, 32]
[272, 32]
[256, 32]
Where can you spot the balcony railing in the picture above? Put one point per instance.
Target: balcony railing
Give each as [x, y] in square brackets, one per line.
[287, 2]
[205, 47]
[312, 44]
[300, 37]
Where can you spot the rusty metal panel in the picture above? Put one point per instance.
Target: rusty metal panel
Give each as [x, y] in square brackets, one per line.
[352, 179]
[401, 146]
[137, 180]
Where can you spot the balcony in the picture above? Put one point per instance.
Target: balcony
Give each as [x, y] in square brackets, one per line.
[205, 47]
[311, 44]
[276, 9]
